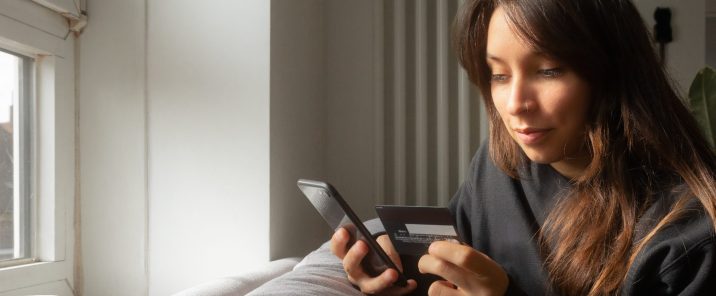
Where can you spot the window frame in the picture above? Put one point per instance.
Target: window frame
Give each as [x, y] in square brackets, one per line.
[31, 30]
[27, 154]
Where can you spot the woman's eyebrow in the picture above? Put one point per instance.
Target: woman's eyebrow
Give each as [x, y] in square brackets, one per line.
[494, 60]
[532, 55]
[491, 57]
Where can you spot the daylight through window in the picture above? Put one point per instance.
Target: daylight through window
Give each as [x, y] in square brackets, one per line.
[15, 156]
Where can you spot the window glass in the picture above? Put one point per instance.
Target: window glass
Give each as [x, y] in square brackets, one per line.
[14, 201]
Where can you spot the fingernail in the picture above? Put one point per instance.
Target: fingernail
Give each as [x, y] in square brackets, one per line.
[391, 276]
[452, 240]
[362, 248]
[431, 247]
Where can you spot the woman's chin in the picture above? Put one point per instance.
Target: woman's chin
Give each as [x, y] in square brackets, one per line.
[540, 157]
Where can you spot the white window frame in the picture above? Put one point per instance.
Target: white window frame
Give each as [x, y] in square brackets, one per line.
[32, 30]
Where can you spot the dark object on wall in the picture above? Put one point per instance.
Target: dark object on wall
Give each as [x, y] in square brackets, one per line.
[662, 30]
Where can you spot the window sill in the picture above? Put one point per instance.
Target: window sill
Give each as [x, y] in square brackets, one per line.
[16, 262]
[32, 274]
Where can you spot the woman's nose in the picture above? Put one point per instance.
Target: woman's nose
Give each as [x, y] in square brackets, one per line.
[520, 98]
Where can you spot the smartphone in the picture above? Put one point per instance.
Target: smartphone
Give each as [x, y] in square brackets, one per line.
[329, 203]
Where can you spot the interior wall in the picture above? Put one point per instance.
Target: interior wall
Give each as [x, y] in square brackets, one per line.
[112, 144]
[174, 118]
[685, 55]
[350, 110]
[322, 114]
[298, 124]
[208, 133]
[711, 33]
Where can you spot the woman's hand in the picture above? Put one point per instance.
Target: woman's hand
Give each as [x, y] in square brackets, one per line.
[465, 270]
[380, 285]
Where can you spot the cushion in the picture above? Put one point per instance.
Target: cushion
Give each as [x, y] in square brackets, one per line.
[319, 273]
[242, 284]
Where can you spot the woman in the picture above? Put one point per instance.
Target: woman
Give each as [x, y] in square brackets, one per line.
[596, 179]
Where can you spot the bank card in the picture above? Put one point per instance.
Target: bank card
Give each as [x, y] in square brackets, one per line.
[413, 228]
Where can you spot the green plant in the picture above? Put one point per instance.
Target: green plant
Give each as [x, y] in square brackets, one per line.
[702, 98]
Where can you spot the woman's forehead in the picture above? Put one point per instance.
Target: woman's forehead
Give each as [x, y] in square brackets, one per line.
[503, 43]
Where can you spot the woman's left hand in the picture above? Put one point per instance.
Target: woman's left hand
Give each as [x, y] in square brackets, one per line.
[466, 271]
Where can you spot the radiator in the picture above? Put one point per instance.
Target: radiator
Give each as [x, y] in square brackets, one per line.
[430, 120]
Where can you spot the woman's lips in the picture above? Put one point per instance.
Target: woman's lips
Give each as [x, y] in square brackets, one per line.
[530, 136]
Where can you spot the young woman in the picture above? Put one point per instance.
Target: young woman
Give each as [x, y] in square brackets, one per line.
[596, 179]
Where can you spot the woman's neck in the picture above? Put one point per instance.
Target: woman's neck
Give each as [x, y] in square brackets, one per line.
[571, 167]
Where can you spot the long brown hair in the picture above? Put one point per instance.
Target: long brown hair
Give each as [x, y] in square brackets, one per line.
[641, 137]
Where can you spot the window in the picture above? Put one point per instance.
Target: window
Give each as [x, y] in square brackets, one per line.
[39, 53]
[15, 158]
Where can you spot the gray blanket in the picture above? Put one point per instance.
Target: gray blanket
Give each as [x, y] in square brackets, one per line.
[319, 273]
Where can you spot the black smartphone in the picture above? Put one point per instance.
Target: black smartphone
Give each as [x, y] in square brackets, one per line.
[329, 203]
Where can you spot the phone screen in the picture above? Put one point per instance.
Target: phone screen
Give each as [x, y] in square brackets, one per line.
[331, 206]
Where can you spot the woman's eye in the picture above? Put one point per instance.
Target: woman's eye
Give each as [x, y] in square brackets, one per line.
[498, 78]
[551, 73]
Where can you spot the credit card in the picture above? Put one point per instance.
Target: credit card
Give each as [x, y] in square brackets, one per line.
[412, 228]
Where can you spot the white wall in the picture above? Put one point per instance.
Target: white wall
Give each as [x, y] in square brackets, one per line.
[175, 145]
[199, 115]
[208, 124]
[113, 149]
[299, 121]
[685, 55]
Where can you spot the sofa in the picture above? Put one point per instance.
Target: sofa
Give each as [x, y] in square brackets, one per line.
[318, 273]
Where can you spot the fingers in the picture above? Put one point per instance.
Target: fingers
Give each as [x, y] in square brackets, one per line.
[455, 274]
[395, 290]
[339, 242]
[384, 242]
[443, 288]
[352, 259]
[354, 270]
[459, 264]
[378, 284]
[460, 255]
[464, 266]
[381, 283]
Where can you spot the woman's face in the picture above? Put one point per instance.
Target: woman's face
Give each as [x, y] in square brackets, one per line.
[542, 103]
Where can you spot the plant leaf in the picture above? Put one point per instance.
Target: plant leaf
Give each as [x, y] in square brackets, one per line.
[702, 98]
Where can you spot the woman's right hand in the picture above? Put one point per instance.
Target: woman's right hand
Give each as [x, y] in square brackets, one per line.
[380, 285]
